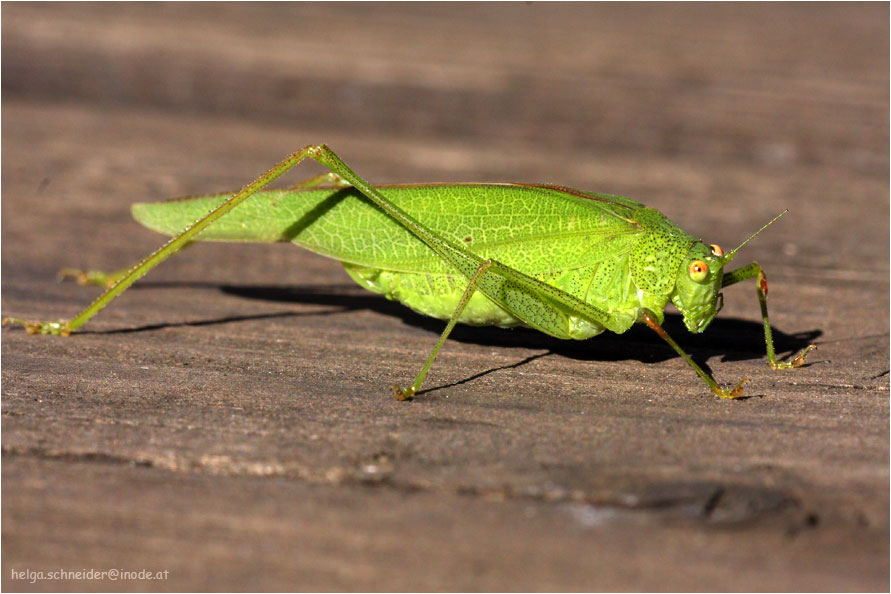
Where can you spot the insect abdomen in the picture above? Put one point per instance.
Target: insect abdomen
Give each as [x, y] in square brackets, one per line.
[434, 295]
[438, 296]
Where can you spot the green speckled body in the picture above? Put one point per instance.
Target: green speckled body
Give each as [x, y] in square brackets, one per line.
[608, 251]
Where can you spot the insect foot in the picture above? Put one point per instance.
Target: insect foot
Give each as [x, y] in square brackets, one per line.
[59, 328]
[403, 394]
[798, 361]
[86, 278]
[734, 393]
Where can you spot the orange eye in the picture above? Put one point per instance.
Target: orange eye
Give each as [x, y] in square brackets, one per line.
[698, 270]
[716, 249]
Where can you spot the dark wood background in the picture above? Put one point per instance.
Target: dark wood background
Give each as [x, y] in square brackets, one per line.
[228, 419]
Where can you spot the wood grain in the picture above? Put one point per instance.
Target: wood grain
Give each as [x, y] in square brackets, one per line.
[228, 420]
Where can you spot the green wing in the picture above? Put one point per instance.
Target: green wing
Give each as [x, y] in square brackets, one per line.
[536, 229]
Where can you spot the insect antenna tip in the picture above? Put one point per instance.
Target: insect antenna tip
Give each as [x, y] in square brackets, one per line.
[732, 253]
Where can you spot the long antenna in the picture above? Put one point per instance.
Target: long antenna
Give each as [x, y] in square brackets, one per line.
[730, 255]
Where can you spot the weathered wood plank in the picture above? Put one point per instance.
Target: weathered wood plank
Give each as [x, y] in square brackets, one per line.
[228, 420]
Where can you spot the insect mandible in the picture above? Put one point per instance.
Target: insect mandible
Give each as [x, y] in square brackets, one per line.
[565, 262]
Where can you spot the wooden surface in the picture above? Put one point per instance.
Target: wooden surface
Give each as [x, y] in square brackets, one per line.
[228, 420]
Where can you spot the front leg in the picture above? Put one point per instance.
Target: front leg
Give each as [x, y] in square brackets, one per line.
[649, 318]
[754, 270]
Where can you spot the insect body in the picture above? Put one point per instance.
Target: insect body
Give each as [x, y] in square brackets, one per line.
[568, 263]
[584, 244]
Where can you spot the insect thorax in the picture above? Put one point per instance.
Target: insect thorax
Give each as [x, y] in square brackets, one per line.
[658, 254]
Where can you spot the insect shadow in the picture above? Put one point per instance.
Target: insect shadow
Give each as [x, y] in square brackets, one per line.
[731, 338]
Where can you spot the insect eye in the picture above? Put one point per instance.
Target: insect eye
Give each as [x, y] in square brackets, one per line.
[716, 249]
[698, 270]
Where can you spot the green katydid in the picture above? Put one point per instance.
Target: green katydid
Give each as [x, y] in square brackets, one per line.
[568, 263]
